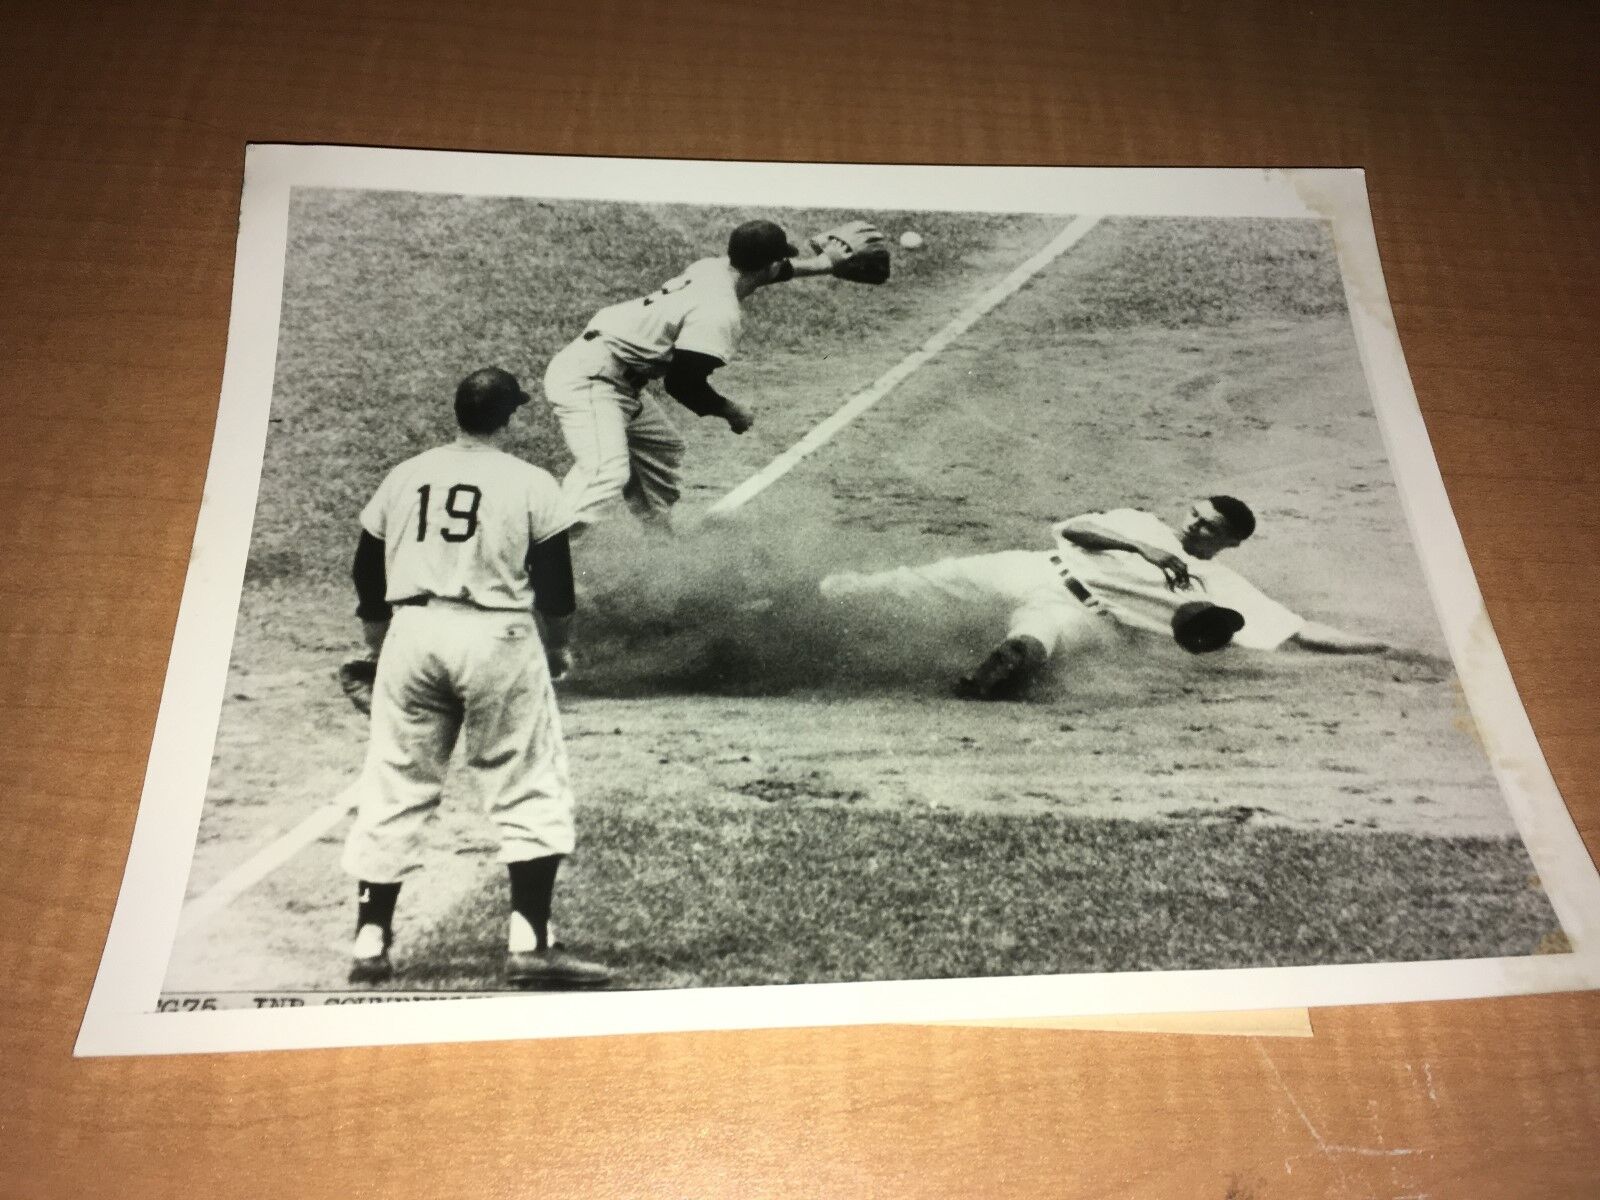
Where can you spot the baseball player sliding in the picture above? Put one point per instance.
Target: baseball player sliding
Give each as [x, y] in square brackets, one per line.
[458, 547]
[624, 445]
[1119, 570]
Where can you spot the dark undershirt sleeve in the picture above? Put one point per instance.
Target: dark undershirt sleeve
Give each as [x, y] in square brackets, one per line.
[688, 382]
[550, 574]
[371, 580]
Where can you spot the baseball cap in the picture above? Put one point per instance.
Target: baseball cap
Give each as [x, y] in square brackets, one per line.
[757, 244]
[486, 399]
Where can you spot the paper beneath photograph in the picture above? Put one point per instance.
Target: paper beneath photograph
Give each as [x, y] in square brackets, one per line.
[638, 596]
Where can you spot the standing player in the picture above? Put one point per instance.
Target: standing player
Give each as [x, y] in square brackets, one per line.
[459, 545]
[1125, 569]
[624, 446]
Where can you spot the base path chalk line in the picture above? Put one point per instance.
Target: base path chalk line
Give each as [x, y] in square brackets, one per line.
[969, 316]
[200, 911]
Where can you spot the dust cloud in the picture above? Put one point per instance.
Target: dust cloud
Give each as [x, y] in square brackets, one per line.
[734, 608]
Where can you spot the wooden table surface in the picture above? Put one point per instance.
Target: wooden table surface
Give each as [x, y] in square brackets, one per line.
[124, 127]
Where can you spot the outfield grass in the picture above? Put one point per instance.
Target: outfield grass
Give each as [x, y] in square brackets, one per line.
[1209, 272]
[794, 893]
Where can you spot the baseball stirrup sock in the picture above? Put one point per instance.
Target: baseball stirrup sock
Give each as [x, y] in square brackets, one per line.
[375, 904]
[533, 887]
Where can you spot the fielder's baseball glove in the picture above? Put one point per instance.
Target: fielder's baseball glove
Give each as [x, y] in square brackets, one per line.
[1201, 627]
[858, 251]
[356, 678]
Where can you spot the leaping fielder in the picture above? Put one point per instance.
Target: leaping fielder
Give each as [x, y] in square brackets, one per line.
[624, 446]
[1123, 570]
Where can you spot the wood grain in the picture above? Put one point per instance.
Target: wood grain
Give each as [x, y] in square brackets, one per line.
[124, 127]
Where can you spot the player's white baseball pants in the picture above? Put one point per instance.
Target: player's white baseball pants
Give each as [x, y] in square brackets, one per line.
[1021, 583]
[451, 672]
[624, 446]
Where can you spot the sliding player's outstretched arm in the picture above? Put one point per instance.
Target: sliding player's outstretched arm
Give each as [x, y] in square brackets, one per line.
[1325, 639]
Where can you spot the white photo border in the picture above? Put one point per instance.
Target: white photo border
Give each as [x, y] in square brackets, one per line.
[120, 1018]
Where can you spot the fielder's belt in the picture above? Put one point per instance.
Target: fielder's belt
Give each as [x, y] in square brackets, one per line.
[632, 376]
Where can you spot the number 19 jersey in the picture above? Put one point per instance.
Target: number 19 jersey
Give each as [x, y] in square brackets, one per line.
[456, 523]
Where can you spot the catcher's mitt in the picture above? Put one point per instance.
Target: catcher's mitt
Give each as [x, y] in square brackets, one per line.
[1201, 627]
[858, 251]
[356, 678]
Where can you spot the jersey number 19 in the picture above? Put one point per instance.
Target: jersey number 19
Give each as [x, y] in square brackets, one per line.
[460, 505]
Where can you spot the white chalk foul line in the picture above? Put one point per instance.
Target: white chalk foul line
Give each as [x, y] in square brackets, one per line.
[200, 911]
[969, 316]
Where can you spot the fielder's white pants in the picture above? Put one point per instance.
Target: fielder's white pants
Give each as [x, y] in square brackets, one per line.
[453, 673]
[1024, 584]
[625, 449]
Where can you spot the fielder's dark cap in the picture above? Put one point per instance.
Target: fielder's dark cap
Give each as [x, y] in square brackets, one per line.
[486, 399]
[1201, 627]
[757, 244]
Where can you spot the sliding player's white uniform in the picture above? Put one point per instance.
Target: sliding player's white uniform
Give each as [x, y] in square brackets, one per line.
[1071, 598]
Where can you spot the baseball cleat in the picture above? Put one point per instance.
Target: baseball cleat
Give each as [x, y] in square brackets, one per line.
[373, 969]
[1005, 673]
[553, 970]
[968, 688]
[369, 961]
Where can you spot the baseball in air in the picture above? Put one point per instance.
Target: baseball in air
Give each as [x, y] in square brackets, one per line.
[910, 240]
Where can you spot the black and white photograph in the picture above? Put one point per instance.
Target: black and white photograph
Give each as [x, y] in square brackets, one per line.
[640, 598]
